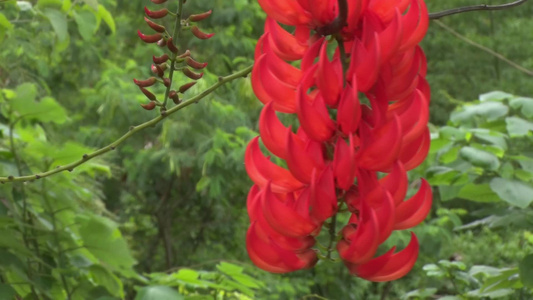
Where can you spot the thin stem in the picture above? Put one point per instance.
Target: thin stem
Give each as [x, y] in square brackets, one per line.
[61, 257]
[453, 11]
[25, 218]
[132, 131]
[175, 38]
[338, 23]
[332, 235]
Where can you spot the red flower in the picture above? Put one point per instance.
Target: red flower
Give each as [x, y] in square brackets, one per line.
[360, 112]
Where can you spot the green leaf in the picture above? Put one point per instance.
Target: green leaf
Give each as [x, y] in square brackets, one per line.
[7, 292]
[46, 110]
[103, 239]
[158, 293]
[103, 277]
[440, 175]
[480, 158]
[526, 105]
[92, 3]
[493, 137]
[86, 24]
[490, 111]
[107, 17]
[4, 22]
[515, 192]
[495, 96]
[526, 271]
[478, 193]
[58, 21]
[518, 126]
[449, 155]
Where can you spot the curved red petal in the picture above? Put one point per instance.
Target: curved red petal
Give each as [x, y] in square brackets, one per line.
[396, 182]
[285, 219]
[304, 157]
[413, 211]
[381, 146]
[413, 154]
[273, 133]
[329, 77]
[349, 110]
[390, 266]
[314, 118]
[323, 196]
[360, 244]
[416, 22]
[286, 45]
[286, 12]
[344, 163]
[261, 170]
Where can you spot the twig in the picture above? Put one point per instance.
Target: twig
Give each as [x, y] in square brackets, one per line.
[491, 52]
[338, 23]
[175, 38]
[132, 131]
[453, 11]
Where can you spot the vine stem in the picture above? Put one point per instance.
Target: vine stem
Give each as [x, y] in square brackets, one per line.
[458, 10]
[132, 131]
[175, 38]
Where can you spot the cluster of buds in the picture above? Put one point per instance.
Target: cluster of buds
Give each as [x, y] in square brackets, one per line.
[170, 61]
[363, 124]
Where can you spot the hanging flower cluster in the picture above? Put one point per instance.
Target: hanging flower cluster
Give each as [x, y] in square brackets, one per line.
[363, 123]
[171, 62]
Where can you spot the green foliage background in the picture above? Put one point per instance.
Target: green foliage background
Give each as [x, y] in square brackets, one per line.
[163, 216]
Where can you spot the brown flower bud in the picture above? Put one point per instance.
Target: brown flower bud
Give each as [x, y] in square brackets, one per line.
[200, 34]
[145, 83]
[147, 93]
[194, 64]
[156, 14]
[156, 69]
[166, 82]
[161, 59]
[162, 43]
[200, 17]
[186, 54]
[150, 38]
[186, 86]
[158, 1]
[171, 46]
[174, 96]
[191, 74]
[154, 26]
[149, 106]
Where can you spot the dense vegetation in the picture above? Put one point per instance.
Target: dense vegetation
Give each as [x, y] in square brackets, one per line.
[164, 217]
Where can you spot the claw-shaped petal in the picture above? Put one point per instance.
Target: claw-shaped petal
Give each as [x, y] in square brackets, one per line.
[270, 257]
[314, 118]
[323, 196]
[273, 133]
[329, 77]
[344, 163]
[413, 211]
[286, 45]
[303, 157]
[261, 170]
[360, 241]
[380, 146]
[288, 12]
[349, 110]
[290, 218]
[389, 266]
